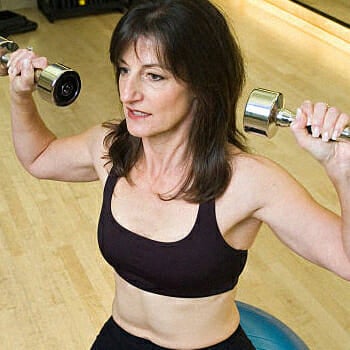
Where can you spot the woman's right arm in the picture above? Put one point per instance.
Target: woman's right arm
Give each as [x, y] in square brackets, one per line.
[42, 154]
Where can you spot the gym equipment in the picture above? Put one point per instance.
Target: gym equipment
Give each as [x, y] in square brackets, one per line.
[13, 23]
[56, 83]
[267, 332]
[57, 9]
[264, 113]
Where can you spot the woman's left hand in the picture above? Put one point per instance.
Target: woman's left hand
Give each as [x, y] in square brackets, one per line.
[327, 123]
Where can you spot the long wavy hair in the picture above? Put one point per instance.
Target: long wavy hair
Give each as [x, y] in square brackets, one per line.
[195, 43]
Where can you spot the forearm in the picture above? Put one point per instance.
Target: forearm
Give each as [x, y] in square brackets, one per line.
[30, 135]
[340, 177]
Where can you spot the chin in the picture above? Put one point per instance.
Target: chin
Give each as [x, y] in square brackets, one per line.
[137, 131]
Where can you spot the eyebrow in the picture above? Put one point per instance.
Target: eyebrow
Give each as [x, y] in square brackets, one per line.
[148, 65]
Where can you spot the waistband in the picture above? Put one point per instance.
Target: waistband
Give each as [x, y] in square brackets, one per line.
[112, 337]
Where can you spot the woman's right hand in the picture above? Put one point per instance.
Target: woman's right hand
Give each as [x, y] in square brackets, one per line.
[21, 66]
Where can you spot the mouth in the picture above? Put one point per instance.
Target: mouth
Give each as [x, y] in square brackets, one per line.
[136, 114]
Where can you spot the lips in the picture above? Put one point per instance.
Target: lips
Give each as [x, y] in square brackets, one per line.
[136, 114]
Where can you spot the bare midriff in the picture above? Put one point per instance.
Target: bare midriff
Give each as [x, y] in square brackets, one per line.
[175, 323]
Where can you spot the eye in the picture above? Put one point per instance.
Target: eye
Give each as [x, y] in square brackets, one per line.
[155, 77]
[122, 71]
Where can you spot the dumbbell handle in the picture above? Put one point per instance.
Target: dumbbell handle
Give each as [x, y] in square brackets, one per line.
[285, 117]
[5, 58]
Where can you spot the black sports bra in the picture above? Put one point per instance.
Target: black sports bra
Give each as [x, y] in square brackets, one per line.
[199, 265]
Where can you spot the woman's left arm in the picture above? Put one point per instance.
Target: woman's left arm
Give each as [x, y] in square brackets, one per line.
[327, 123]
[310, 230]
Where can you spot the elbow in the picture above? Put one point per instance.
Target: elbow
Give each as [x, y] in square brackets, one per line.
[344, 271]
[34, 171]
[340, 267]
[346, 275]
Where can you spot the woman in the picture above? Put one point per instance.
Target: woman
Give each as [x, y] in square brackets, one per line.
[183, 200]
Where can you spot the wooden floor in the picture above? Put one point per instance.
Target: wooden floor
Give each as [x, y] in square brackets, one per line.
[55, 288]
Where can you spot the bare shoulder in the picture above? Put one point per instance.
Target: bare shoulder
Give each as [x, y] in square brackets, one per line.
[255, 168]
[261, 179]
[98, 145]
[101, 139]
[96, 136]
[254, 186]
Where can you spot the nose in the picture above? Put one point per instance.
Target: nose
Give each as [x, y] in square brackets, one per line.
[130, 89]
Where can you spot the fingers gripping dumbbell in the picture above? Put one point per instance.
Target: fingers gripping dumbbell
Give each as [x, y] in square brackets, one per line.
[56, 83]
[265, 112]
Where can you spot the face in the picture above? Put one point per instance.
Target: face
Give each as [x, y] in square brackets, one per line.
[155, 104]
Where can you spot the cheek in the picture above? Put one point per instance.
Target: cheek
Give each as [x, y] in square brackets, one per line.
[178, 103]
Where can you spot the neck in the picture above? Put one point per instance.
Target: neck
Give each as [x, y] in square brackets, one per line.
[163, 157]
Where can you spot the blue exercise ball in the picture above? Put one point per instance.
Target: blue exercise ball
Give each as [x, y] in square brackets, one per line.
[267, 332]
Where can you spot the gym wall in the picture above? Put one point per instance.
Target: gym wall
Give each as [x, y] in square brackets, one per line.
[16, 4]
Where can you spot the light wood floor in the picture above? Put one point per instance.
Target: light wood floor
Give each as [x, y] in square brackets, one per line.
[55, 288]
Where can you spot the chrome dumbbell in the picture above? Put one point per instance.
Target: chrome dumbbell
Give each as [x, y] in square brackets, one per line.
[56, 83]
[264, 113]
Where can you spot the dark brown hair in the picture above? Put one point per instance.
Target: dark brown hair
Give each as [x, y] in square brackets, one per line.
[195, 43]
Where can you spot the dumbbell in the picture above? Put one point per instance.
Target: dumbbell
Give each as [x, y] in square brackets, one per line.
[56, 83]
[264, 113]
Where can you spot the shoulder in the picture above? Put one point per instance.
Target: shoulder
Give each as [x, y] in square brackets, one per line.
[95, 139]
[98, 142]
[258, 179]
[253, 167]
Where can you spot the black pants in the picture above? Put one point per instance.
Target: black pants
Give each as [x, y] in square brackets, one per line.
[113, 337]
